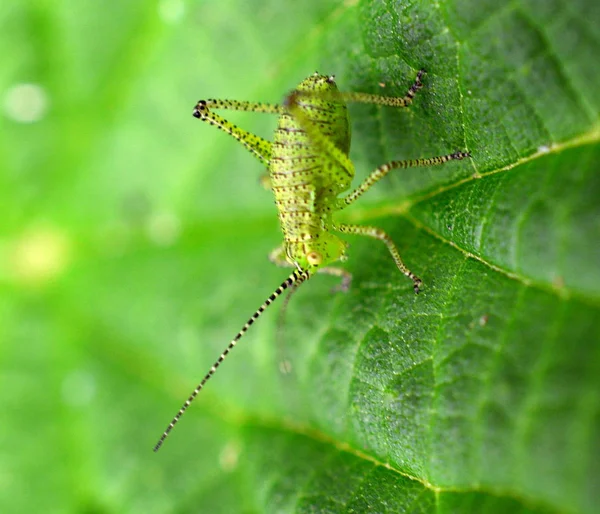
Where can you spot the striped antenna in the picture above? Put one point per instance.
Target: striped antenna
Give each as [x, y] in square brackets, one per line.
[295, 279]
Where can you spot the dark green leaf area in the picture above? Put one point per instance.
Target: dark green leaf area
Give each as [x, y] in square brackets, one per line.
[479, 358]
[315, 477]
[504, 80]
[537, 220]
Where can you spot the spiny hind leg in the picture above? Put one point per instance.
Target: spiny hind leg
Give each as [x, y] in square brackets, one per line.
[258, 146]
[377, 233]
[315, 134]
[380, 172]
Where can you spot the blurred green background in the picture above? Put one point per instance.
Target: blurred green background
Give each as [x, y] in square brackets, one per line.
[133, 244]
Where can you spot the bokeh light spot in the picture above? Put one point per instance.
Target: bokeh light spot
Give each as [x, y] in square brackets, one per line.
[26, 103]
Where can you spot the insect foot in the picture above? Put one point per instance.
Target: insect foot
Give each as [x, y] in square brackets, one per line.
[459, 155]
[417, 284]
[200, 110]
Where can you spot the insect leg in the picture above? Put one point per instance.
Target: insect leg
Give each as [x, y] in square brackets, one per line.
[277, 257]
[294, 280]
[235, 105]
[384, 169]
[377, 233]
[314, 133]
[392, 101]
[260, 147]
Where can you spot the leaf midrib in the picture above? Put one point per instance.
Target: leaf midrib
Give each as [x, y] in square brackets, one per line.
[402, 209]
[236, 417]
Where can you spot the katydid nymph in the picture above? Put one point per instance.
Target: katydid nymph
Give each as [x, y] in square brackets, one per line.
[309, 173]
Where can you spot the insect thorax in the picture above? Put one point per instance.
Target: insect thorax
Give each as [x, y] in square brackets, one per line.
[305, 179]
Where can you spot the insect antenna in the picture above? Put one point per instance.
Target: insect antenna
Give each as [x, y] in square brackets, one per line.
[295, 279]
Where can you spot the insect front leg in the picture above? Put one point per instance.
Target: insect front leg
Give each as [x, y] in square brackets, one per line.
[384, 169]
[258, 146]
[377, 233]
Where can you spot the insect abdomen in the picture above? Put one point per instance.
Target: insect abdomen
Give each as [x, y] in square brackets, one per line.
[305, 181]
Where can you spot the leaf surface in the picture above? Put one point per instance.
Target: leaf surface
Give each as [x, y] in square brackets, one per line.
[133, 246]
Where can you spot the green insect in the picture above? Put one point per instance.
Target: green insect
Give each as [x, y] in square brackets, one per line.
[309, 169]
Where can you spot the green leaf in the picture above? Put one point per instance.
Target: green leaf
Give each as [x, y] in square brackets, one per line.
[133, 245]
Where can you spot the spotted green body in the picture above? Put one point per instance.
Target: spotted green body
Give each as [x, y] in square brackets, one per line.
[306, 180]
[310, 173]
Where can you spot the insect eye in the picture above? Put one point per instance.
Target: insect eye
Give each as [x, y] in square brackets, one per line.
[314, 258]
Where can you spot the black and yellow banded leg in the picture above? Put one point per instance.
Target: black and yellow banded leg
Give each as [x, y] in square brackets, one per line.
[377, 233]
[390, 101]
[258, 146]
[384, 169]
